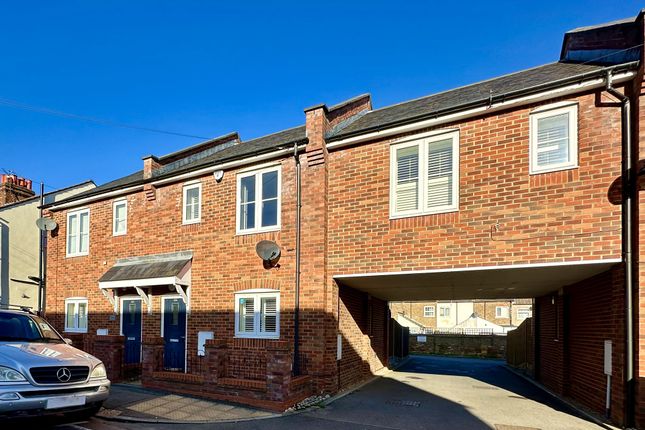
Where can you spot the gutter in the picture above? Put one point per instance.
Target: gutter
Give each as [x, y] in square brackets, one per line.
[577, 84]
[628, 257]
[138, 186]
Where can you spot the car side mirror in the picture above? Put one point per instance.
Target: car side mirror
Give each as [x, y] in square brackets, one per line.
[68, 341]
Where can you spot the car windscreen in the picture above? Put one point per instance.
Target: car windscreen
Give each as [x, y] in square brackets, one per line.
[24, 328]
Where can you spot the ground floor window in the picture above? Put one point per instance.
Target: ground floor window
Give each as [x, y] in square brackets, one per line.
[76, 315]
[257, 314]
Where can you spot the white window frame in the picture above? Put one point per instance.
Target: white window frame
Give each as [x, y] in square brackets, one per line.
[116, 203]
[524, 310]
[77, 252]
[76, 301]
[423, 141]
[443, 309]
[428, 311]
[257, 296]
[258, 200]
[185, 188]
[502, 312]
[545, 112]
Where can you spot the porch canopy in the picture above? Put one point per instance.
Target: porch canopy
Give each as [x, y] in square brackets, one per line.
[145, 273]
[484, 282]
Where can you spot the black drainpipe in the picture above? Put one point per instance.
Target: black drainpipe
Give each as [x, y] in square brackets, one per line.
[296, 307]
[627, 192]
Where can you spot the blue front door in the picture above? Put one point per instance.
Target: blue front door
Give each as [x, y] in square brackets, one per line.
[174, 333]
[131, 328]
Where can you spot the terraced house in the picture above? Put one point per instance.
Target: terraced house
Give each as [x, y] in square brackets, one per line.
[525, 185]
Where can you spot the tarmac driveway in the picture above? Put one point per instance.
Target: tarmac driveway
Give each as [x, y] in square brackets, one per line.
[427, 393]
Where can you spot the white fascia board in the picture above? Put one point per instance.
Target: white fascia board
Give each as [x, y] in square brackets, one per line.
[458, 116]
[149, 282]
[96, 197]
[478, 268]
[200, 172]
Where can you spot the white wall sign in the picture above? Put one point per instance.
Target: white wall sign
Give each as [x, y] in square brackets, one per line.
[102, 332]
[421, 339]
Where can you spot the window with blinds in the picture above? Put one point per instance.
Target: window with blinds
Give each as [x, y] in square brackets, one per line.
[192, 203]
[554, 139]
[425, 176]
[257, 314]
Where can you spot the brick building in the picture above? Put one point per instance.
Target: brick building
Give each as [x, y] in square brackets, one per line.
[507, 187]
[446, 314]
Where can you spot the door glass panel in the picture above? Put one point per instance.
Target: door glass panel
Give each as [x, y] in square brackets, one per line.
[132, 308]
[175, 312]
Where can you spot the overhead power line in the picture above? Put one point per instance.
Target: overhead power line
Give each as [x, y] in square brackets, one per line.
[47, 111]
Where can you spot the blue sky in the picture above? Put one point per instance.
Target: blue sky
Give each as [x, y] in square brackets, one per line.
[206, 68]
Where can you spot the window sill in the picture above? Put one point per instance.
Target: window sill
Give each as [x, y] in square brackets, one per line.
[553, 170]
[193, 222]
[77, 255]
[258, 231]
[241, 336]
[74, 331]
[119, 234]
[421, 214]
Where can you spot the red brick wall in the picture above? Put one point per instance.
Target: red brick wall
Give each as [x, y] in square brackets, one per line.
[543, 218]
[571, 335]
[362, 325]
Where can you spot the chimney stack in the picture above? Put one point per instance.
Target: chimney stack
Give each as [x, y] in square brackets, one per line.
[14, 189]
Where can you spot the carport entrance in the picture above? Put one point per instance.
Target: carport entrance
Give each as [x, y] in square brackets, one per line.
[578, 306]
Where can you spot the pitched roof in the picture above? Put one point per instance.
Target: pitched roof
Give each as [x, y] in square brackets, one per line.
[535, 79]
[460, 98]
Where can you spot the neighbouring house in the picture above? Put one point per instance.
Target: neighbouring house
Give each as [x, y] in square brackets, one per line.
[507, 187]
[20, 237]
[425, 316]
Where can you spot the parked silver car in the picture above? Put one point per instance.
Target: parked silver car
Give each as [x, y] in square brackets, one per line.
[41, 373]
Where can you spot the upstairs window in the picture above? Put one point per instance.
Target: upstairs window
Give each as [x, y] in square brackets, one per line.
[554, 139]
[257, 314]
[76, 315]
[258, 201]
[425, 176]
[78, 233]
[523, 313]
[501, 312]
[119, 217]
[192, 211]
[428, 311]
[444, 311]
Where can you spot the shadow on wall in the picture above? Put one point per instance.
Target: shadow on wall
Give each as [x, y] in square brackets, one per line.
[233, 368]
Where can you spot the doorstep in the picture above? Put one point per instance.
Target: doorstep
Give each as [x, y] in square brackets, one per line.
[136, 404]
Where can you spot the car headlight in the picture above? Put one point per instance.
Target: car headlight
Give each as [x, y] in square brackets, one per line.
[9, 375]
[99, 372]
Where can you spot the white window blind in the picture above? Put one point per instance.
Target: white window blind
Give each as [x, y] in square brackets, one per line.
[407, 179]
[257, 314]
[425, 176]
[554, 139]
[192, 203]
[439, 173]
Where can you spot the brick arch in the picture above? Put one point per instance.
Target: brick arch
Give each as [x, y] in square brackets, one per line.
[252, 284]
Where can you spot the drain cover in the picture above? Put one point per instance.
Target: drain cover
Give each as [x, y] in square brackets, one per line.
[404, 403]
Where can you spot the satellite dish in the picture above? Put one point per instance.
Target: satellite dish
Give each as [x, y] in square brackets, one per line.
[46, 224]
[269, 252]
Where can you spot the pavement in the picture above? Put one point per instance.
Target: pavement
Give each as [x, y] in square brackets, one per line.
[427, 392]
[129, 402]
